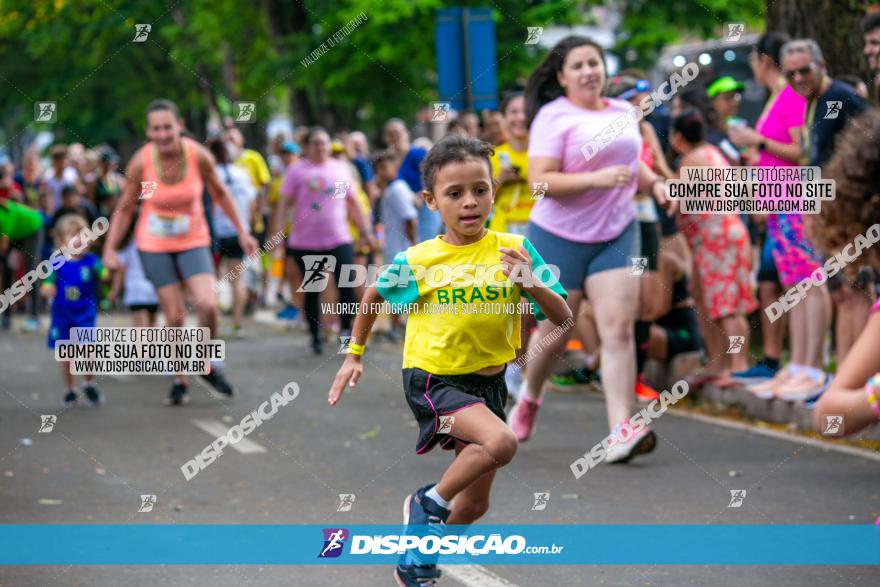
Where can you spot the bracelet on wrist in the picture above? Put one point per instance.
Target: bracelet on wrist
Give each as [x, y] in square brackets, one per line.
[872, 393]
[356, 349]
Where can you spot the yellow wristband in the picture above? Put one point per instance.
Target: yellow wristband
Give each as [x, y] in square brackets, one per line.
[356, 349]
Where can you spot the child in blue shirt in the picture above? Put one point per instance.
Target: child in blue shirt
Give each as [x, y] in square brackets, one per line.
[74, 290]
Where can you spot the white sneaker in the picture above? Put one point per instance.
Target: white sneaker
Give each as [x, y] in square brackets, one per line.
[807, 395]
[639, 442]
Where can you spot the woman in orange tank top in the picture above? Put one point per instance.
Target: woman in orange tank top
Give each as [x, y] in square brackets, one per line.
[167, 178]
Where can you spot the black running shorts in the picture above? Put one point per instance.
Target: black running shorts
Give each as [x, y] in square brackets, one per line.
[431, 396]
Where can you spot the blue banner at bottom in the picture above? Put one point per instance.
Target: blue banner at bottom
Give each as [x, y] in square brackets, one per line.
[517, 544]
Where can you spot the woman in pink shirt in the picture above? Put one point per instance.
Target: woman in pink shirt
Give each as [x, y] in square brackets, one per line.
[166, 178]
[584, 161]
[320, 190]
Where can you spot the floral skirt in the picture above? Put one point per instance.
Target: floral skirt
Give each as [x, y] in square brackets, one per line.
[722, 261]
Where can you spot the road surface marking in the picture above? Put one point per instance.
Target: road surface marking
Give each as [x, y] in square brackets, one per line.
[475, 576]
[215, 428]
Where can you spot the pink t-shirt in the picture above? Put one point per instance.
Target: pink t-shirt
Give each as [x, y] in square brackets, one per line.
[562, 130]
[787, 112]
[318, 193]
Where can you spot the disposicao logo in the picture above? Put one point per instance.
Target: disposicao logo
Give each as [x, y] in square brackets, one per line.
[334, 541]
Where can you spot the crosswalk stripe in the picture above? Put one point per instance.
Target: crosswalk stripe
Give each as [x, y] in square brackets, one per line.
[475, 576]
[215, 428]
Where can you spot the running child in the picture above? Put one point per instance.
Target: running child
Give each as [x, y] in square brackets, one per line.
[138, 294]
[74, 289]
[454, 362]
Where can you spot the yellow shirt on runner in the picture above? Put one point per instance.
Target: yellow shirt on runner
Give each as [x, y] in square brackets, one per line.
[255, 166]
[252, 162]
[465, 313]
[363, 200]
[513, 201]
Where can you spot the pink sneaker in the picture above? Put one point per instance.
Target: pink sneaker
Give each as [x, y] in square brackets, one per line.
[522, 418]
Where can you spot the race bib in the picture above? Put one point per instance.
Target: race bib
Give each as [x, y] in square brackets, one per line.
[167, 226]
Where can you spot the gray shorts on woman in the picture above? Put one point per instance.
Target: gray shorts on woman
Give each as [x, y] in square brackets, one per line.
[577, 261]
[166, 268]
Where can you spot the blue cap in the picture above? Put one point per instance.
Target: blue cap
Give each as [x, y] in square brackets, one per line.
[290, 148]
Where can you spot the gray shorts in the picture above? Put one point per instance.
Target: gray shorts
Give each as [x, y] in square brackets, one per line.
[166, 268]
[577, 261]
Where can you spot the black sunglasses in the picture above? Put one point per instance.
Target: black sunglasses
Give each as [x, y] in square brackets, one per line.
[803, 71]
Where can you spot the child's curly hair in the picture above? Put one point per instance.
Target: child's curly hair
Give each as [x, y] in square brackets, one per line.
[453, 148]
[855, 167]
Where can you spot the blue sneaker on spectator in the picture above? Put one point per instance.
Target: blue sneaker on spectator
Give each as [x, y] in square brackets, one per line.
[760, 371]
[288, 312]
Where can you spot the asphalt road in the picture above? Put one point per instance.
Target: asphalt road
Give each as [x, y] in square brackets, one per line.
[96, 463]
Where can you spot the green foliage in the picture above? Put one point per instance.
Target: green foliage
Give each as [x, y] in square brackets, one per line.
[209, 53]
[649, 25]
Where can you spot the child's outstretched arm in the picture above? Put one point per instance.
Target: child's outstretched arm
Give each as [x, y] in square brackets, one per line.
[47, 288]
[352, 367]
[846, 397]
[550, 303]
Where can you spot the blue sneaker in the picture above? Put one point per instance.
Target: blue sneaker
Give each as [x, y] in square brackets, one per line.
[759, 372]
[416, 575]
[421, 510]
[288, 312]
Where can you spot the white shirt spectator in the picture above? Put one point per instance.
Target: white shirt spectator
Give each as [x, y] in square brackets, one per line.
[397, 208]
[55, 184]
[243, 194]
[137, 289]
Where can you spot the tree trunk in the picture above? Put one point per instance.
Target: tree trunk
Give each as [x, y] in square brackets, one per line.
[834, 24]
[213, 112]
[284, 18]
[230, 80]
[301, 107]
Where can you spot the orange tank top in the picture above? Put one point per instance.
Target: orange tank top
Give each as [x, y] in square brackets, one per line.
[172, 219]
